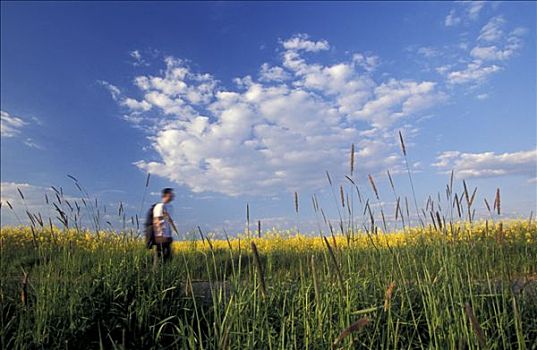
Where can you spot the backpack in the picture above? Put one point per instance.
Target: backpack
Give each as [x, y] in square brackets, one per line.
[149, 232]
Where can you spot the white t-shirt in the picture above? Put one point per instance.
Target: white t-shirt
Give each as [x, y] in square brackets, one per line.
[159, 211]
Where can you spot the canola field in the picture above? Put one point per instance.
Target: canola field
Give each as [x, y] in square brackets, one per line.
[465, 286]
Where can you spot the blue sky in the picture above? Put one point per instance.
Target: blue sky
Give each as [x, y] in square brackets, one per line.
[235, 103]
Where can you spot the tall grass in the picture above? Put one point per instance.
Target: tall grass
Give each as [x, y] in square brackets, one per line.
[432, 293]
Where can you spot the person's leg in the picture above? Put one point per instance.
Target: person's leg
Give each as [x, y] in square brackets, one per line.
[160, 249]
[157, 257]
[167, 251]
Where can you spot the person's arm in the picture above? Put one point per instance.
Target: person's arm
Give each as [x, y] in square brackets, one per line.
[172, 224]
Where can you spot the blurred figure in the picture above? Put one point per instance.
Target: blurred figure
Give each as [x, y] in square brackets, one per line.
[163, 225]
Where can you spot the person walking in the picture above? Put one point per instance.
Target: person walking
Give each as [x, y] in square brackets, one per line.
[163, 225]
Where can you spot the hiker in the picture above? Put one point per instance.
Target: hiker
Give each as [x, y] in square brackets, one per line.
[163, 225]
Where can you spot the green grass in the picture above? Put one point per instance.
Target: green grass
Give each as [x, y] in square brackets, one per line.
[114, 297]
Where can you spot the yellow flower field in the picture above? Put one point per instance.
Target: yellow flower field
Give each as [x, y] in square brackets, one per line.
[284, 240]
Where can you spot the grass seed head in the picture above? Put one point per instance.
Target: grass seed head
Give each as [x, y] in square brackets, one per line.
[475, 324]
[497, 201]
[356, 326]
[388, 296]
[403, 148]
[372, 182]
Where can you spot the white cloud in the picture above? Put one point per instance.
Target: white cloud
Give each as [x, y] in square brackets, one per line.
[276, 133]
[488, 164]
[9, 192]
[466, 11]
[138, 59]
[428, 52]
[444, 69]
[114, 90]
[452, 19]
[397, 99]
[302, 42]
[136, 105]
[492, 31]
[482, 96]
[510, 47]
[34, 196]
[492, 48]
[34, 201]
[136, 55]
[474, 8]
[32, 144]
[268, 73]
[494, 45]
[490, 53]
[475, 72]
[367, 62]
[10, 125]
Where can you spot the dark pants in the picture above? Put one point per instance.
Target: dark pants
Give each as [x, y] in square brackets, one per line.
[164, 249]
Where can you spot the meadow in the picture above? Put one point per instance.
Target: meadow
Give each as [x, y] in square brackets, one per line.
[418, 288]
[437, 278]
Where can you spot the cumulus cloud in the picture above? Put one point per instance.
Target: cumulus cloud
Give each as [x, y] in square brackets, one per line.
[302, 42]
[489, 164]
[276, 132]
[268, 73]
[136, 105]
[367, 62]
[10, 125]
[397, 99]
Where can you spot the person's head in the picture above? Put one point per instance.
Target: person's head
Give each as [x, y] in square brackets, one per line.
[167, 195]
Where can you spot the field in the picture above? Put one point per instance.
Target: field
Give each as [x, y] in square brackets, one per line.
[434, 279]
[456, 287]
